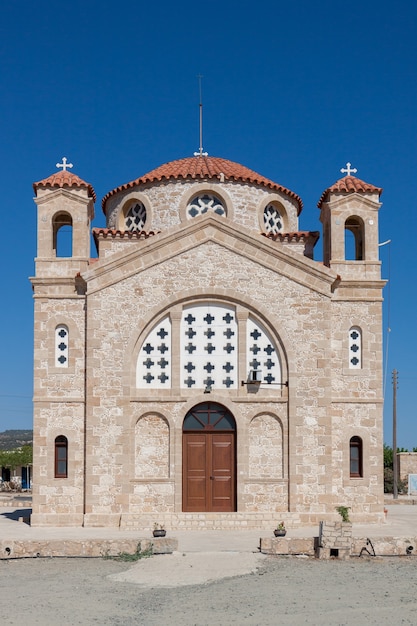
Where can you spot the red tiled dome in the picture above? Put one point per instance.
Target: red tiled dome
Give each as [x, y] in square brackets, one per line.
[204, 167]
[64, 179]
[349, 184]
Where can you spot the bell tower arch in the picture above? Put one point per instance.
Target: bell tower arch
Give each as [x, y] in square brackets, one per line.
[65, 211]
[349, 214]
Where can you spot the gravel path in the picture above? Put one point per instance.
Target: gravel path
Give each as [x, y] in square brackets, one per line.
[280, 591]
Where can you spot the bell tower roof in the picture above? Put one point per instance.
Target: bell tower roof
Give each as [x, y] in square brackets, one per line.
[65, 179]
[348, 184]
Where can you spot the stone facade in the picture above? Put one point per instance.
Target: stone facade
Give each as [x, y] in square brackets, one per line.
[138, 355]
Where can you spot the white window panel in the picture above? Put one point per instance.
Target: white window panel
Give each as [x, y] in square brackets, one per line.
[154, 362]
[61, 346]
[355, 348]
[262, 354]
[209, 347]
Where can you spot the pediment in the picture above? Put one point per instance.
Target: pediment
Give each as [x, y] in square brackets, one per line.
[58, 194]
[201, 231]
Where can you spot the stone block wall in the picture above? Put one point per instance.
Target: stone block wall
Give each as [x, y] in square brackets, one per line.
[407, 464]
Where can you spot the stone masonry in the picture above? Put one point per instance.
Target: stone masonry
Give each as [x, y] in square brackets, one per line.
[146, 407]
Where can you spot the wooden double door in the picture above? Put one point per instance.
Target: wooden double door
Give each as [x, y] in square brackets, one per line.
[209, 460]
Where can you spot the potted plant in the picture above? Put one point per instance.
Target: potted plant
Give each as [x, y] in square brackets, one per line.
[344, 513]
[159, 530]
[280, 530]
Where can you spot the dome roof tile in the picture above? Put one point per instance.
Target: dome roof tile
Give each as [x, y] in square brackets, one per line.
[204, 167]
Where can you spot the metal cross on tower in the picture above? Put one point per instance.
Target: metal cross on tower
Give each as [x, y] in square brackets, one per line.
[348, 170]
[64, 164]
[200, 152]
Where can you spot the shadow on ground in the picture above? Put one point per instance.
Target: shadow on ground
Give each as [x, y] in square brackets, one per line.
[16, 514]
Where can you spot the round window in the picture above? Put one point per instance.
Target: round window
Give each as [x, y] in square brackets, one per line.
[272, 219]
[135, 217]
[203, 203]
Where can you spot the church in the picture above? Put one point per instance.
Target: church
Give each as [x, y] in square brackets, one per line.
[202, 370]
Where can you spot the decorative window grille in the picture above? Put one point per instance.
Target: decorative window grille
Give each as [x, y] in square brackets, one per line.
[61, 457]
[203, 203]
[272, 220]
[209, 351]
[356, 455]
[262, 354]
[355, 348]
[61, 346]
[209, 347]
[154, 362]
[135, 217]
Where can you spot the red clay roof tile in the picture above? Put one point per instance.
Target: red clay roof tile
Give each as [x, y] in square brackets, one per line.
[300, 235]
[349, 184]
[64, 179]
[204, 167]
[123, 234]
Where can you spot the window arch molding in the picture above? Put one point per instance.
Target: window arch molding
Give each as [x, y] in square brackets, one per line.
[62, 242]
[356, 457]
[355, 348]
[354, 228]
[130, 201]
[62, 353]
[261, 426]
[75, 345]
[201, 189]
[158, 427]
[209, 294]
[61, 457]
[350, 435]
[287, 212]
[175, 312]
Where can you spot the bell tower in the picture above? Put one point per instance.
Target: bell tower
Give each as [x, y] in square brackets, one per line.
[65, 209]
[349, 214]
[65, 212]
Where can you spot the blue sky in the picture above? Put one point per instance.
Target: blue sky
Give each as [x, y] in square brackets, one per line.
[292, 90]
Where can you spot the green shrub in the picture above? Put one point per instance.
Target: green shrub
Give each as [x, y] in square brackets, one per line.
[389, 482]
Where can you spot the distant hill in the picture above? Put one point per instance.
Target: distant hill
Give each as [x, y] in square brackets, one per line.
[11, 439]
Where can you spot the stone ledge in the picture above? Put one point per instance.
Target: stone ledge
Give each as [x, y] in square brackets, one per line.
[383, 546]
[92, 548]
[286, 546]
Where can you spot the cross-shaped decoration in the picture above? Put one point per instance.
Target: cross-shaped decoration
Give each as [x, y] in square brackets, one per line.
[348, 170]
[64, 164]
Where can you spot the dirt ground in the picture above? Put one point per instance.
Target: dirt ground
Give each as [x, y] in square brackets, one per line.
[279, 591]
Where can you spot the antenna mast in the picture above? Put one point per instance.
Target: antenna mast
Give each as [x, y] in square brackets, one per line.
[200, 152]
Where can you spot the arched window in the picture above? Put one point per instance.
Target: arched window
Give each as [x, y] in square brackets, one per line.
[209, 416]
[273, 221]
[203, 203]
[355, 453]
[154, 362]
[355, 348]
[61, 457]
[354, 239]
[135, 217]
[61, 346]
[62, 234]
[209, 351]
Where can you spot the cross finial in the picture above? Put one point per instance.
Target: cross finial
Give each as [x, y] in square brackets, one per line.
[348, 170]
[64, 164]
[200, 152]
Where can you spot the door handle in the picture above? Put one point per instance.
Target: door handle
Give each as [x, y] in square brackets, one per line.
[211, 477]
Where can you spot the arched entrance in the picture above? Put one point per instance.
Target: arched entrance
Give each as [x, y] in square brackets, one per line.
[209, 459]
